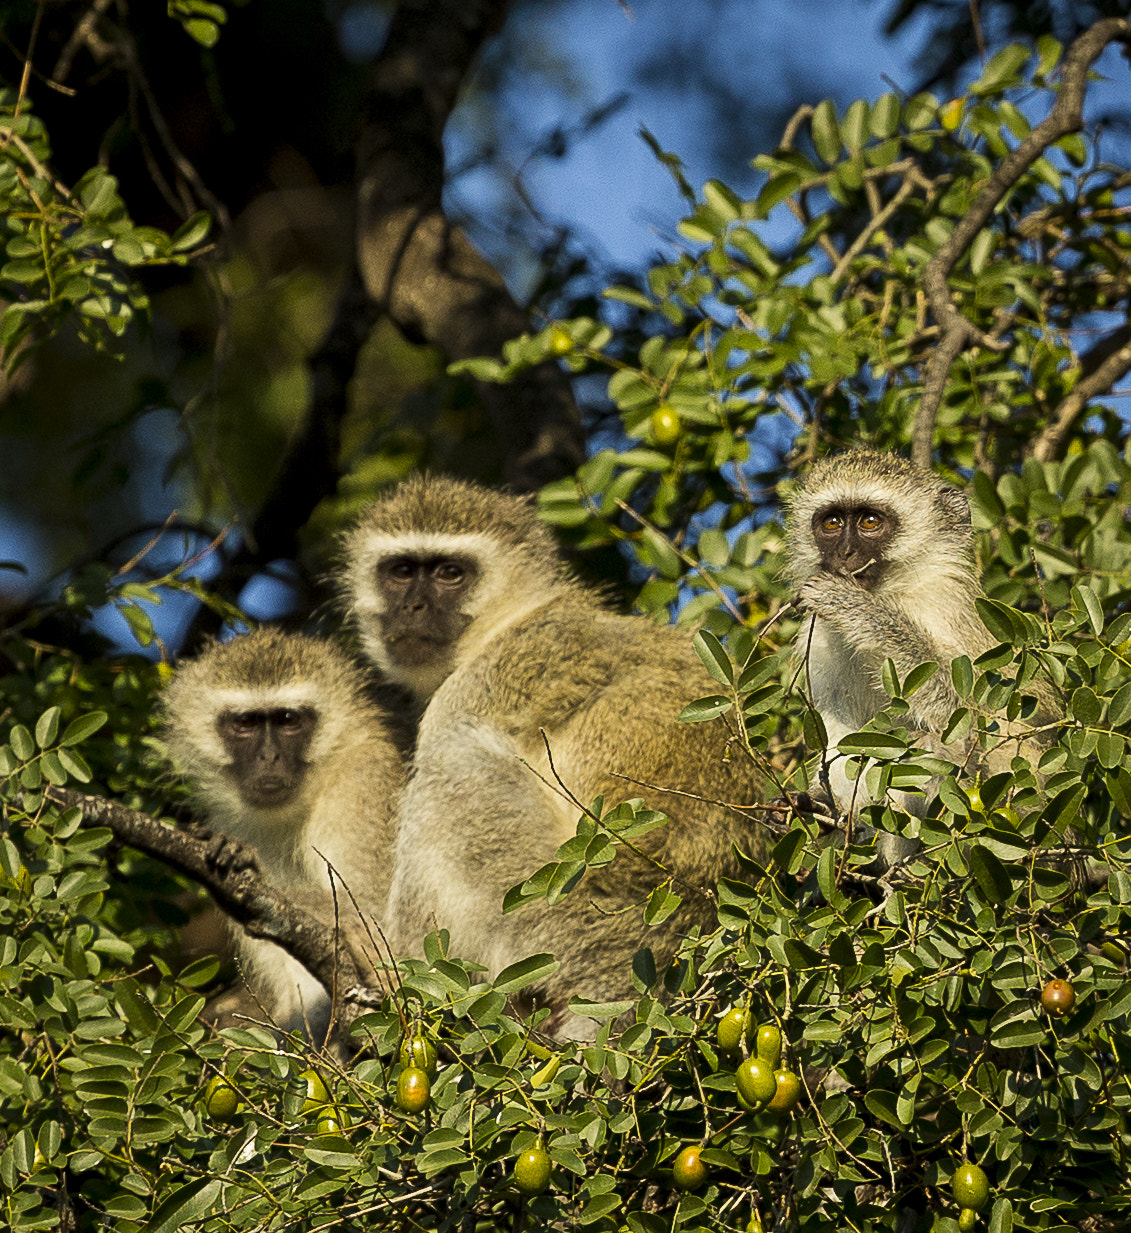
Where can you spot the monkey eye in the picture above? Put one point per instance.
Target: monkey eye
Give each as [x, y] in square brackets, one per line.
[449, 572]
[245, 723]
[871, 522]
[400, 570]
[288, 719]
[832, 522]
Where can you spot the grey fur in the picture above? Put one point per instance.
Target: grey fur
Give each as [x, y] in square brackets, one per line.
[343, 811]
[482, 812]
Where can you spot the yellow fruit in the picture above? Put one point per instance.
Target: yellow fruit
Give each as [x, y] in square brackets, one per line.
[788, 1092]
[413, 1089]
[1058, 997]
[971, 1187]
[317, 1093]
[950, 114]
[560, 341]
[755, 1082]
[532, 1170]
[731, 1028]
[665, 424]
[768, 1045]
[221, 1099]
[419, 1052]
[967, 1219]
[754, 1224]
[688, 1171]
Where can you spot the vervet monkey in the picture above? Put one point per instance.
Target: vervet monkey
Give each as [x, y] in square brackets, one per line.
[882, 554]
[459, 594]
[282, 749]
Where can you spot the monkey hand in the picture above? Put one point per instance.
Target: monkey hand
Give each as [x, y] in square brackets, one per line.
[826, 592]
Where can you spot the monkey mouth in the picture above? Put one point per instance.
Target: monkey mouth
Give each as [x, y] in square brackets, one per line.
[265, 793]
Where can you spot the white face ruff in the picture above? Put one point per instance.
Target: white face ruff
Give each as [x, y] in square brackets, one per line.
[497, 566]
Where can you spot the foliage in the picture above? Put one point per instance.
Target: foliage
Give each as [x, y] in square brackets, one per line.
[908, 1003]
[71, 252]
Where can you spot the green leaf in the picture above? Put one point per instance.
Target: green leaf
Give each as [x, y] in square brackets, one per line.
[706, 708]
[715, 659]
[192, 1202]
[22, 744]
[990, 874]
[854, 126]
[1085, 598]
[826, 134]
[528, 971]
[884, 120]
[192, 232]
[47, 729]
[599, 1010]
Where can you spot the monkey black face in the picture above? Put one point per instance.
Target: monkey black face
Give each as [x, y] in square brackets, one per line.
[424, 604]
[268, 752]
[852, 540]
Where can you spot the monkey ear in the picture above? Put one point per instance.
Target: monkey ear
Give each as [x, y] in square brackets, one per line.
[955, 502]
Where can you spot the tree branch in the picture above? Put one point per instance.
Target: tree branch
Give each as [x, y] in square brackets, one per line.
[1102, 366]
[420, 268]
[227, 869]
[1065, 117]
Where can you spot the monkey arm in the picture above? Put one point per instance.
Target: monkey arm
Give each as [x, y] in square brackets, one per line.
[227, 869]
[877, 630]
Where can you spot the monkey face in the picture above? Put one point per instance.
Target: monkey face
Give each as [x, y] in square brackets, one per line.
[268, 753]
[852, 541]
[424, 599]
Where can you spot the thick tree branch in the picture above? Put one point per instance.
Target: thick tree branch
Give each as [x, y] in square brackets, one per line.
[227, 869]
[421, 269]
[1102, 367]
[1066, 116]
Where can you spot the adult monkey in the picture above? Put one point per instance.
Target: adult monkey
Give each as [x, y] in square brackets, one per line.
[881, 552]
[459, 594]
[282, 749]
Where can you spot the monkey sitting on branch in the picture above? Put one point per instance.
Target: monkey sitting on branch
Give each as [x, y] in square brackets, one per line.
[282, 750]
[881, 552]
[536, 700]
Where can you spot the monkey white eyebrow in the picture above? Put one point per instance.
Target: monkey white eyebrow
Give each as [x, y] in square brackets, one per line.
[291, 696]
[380, 544]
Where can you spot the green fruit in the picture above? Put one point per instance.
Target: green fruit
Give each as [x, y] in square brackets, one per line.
[317, 1094]
[974, 799]
[419, 1052]
[754, 1224]
[967, 1219]
[971, 1187]
[755, 1082]
[1006, 817]
[731, 1028]
[1058, 997]
[332, 1122]
[788, 1092]
[221, 1099]
[414, 1090]
[560, 341]
[532, 1170]
[768, 1045]
[665, 424]
[688, 1171]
